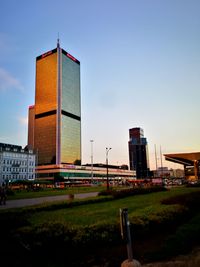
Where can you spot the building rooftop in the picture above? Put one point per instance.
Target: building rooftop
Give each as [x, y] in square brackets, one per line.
[4, 146]
[15, 148]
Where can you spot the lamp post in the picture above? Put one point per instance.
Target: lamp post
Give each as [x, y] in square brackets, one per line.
[107, 150]
[156, 162]
[91, 159]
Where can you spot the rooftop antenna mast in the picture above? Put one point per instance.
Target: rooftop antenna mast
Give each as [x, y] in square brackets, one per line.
[58, 41]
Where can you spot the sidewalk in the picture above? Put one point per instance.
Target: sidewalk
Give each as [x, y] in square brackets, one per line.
[19, 203]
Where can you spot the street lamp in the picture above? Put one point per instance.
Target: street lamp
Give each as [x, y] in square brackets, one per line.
[107, 150]
[91, 159]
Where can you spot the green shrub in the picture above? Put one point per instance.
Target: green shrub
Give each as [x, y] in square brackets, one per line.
[158, 220]
[10, 192]
[190, 200]
[182, 241]
[117, 194]
[58, 235]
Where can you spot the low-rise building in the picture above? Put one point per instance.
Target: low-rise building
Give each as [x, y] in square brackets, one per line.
[67, 173]
[16, 163]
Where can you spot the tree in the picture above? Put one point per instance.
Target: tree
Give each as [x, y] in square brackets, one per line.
[77, 162]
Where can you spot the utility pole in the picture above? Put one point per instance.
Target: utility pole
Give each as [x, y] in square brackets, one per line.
[92, 160]
[156, 161]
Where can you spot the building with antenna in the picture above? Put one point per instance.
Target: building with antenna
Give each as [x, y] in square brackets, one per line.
[138, 153]
[54, 129]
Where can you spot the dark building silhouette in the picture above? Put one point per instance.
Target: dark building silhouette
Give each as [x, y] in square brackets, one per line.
[138, 152]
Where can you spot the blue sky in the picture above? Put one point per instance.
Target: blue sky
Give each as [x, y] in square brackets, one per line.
[140, 64]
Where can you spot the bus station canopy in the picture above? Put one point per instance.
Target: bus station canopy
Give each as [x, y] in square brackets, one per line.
[184, 158]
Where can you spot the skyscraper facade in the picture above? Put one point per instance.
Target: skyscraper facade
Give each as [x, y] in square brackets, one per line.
[138, 152]
[57, 109]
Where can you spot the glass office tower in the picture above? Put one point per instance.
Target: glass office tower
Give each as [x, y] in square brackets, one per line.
[57, 126]
[138, 152]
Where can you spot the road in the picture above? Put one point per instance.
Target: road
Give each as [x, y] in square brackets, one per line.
[19, 203]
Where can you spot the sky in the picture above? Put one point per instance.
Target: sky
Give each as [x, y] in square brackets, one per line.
[140, 64]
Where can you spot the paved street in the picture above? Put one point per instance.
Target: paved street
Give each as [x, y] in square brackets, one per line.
[34, 201]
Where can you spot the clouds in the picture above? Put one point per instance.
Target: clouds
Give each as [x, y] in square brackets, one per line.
[8, 82]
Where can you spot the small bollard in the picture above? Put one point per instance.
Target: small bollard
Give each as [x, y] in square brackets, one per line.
[132, 263]
[126, 235]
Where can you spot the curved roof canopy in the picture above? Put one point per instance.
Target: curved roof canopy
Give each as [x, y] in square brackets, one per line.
[183, 158]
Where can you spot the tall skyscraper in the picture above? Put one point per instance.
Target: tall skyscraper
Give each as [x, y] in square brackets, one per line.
[57, 109]
[138, 152]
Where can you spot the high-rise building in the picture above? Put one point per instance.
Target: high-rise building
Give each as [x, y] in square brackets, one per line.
[138, 152]
[57, 109]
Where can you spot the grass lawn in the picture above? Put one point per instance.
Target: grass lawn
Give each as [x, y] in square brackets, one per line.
[108, 212]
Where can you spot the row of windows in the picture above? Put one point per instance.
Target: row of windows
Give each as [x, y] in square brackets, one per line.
[18, 162]
[17, 177]
[7, 169]
[18, 155]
